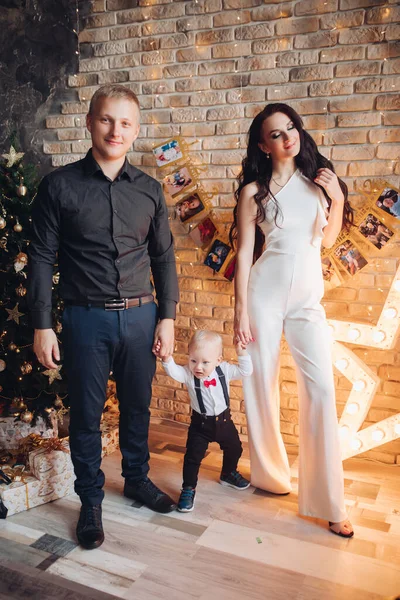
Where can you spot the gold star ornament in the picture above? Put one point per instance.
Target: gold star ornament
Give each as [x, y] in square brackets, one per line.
[53, 374]
[12, 157]
[14, 314]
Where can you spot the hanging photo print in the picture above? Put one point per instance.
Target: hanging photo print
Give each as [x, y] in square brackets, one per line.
[229, 272]
[168, 152]
[189, 206]
[176, 182]
[330, 274]
[389, 202]
[374, 231]
[348, 255]
[203, 233]
[217, 255]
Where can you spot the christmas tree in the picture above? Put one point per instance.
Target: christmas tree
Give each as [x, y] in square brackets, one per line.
[27, 389]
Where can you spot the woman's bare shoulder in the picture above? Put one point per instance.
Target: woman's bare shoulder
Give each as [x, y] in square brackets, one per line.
[249, 191]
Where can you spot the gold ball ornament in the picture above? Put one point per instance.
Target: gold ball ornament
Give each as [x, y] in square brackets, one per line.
[26, 368]
[3, 223]
[12, 346]
[2, 365]
[20, 290]
[22, 189]
[17, 227]
[26, 416]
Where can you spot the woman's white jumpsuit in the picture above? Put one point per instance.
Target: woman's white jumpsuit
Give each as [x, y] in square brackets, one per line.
[284, 294]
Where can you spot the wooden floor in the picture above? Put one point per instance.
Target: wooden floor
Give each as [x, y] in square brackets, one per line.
[245, 545]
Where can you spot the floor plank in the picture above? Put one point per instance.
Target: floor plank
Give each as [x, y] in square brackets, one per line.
[211, 553]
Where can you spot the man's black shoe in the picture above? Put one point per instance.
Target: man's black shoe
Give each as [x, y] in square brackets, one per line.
[89, 530]
[150, 495]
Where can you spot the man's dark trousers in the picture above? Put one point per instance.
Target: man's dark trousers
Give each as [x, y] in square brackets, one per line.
[96, 342]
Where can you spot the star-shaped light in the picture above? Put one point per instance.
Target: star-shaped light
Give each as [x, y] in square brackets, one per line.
[12, 157]
[384, 335]
[53, 374]
[14, 314]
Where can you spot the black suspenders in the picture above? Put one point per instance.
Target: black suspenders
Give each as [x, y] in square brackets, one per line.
[197, 387]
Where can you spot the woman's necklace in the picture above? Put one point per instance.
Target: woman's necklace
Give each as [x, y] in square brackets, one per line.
[278, 184]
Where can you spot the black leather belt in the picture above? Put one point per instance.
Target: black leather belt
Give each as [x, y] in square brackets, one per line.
[117, 303]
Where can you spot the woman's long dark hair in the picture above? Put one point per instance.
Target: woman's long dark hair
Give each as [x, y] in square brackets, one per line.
[257, 168]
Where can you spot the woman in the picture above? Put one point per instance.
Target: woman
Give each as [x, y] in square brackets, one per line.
[287, 190]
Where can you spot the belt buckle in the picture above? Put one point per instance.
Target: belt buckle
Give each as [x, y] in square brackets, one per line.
[115, 304]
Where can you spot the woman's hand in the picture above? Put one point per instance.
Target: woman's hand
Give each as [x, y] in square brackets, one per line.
[242, 331]
[329, 181]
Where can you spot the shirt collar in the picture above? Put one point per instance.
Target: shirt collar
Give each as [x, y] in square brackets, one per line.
[91, 167]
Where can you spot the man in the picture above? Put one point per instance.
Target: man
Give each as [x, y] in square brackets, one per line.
[108, 223]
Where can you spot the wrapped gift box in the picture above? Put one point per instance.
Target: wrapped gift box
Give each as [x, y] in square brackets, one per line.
[109, 432]
[31, 492]
[12, 432]
[45, 463]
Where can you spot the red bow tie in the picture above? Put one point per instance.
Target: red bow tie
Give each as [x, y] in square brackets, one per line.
[208, 383]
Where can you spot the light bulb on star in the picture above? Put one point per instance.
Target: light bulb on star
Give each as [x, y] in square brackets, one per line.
[353, 334]
[342, 364]
[378, 435]
[356, 444]
[390, 313]
[352, 408]
[359, 385]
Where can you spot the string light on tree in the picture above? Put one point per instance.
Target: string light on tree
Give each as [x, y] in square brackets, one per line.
[20, 370]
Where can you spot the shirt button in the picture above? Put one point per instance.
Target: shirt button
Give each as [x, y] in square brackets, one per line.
[118, 261]
[115, 210]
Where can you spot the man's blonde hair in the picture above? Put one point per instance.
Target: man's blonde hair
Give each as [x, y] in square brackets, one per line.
[203, 336]
[112, 90]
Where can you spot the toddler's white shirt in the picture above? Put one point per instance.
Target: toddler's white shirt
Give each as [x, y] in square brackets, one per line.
[213, 396]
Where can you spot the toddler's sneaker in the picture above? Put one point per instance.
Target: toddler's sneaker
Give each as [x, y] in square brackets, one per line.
[186, 499]
[234, 480]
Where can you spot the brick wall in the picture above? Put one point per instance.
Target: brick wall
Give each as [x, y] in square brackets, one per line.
[203, 69]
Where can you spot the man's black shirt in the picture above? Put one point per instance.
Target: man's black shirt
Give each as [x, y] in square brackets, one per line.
[108, 236]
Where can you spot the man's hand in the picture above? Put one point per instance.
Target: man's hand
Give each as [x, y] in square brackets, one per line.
[45, 346]
[163, 345]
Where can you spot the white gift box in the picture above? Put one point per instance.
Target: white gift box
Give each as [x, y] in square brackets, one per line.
[23, 495]
[45, 463]
[12, 432]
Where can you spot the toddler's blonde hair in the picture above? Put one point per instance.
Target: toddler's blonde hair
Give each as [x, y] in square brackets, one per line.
[201, 337]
